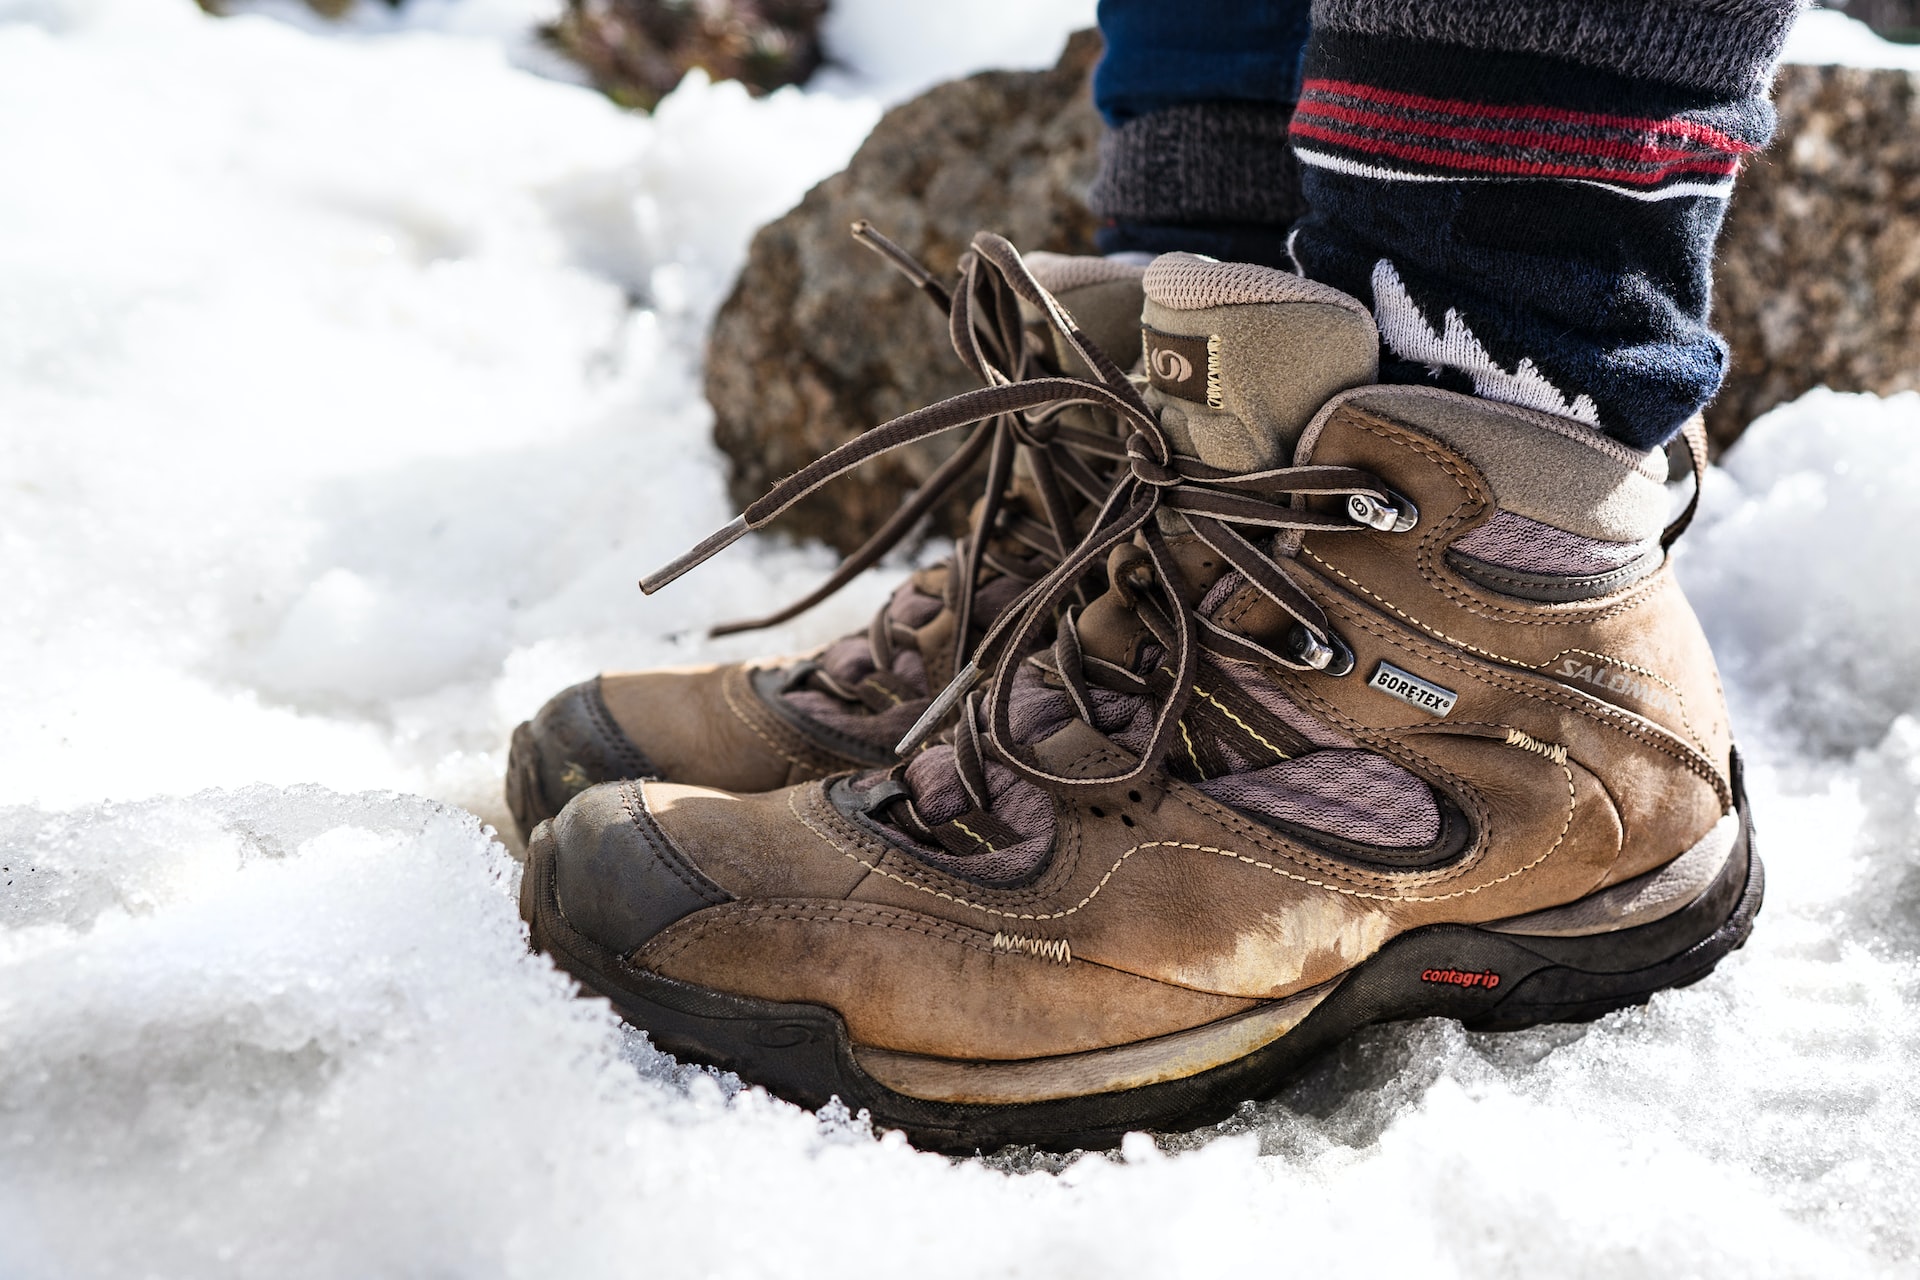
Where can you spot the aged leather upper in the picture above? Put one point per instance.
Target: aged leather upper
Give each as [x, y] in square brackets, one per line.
[1160, 908]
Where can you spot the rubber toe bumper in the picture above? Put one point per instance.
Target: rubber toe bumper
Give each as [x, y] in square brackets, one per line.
[572, 744]
[618, 879]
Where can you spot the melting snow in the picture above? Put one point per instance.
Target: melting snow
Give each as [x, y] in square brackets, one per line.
[347, 384]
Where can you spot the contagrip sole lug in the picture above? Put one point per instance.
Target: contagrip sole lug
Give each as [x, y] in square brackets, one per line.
[526, 799]
[1487, 980]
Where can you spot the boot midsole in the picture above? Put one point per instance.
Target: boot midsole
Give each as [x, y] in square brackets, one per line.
[1642, 900]
[1073, 1075]
[1464, 964]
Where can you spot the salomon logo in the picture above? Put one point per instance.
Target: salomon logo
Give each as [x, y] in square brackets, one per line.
[1171, 365]
[1184, 366]
[1601, 676]
[1454, 978]
[1409, 688]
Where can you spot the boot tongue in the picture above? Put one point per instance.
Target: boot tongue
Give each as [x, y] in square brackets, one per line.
[1239, 358]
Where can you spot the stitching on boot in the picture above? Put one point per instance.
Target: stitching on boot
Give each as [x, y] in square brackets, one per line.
[1572, 805]
[1054, 949]
[1428, 556]
[1652, 580]
[1601, 713]
[1527, 742]
[813, 761]
[1249, 729]
[631, 759]
[1679, 698]
[789, 913]
[633, 798]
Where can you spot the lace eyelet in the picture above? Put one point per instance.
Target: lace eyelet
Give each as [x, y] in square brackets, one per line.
[1398, 516]
[1329, 656]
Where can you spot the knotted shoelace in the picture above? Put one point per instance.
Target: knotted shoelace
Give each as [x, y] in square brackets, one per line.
[1215, 503]
[1070, 469]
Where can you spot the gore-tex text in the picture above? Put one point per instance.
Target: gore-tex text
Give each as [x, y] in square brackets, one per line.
[1409, 688]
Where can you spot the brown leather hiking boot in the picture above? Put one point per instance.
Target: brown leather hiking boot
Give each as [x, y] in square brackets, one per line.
[1392, 709]
[754, 726]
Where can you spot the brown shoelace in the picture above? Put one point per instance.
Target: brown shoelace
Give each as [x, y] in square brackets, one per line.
[1071, 469]
[1020, 404]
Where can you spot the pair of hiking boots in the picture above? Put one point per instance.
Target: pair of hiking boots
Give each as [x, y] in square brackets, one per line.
[1263, 701]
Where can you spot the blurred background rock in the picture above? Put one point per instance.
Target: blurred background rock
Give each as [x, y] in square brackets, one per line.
[636, 51]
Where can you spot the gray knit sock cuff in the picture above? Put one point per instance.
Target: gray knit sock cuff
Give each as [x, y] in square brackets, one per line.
[1720, 46]
[1198, 164]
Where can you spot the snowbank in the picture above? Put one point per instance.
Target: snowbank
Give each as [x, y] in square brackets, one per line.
[1829, 37]
[346, 384]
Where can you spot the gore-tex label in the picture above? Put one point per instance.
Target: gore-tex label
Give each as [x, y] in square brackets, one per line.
[1407, 687]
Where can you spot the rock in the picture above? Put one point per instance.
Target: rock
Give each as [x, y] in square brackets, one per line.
[1819, 274]
[821, 340]
[638, 50]
[1818, 280]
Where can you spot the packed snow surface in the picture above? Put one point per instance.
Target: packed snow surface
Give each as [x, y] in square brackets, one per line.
[347, 383]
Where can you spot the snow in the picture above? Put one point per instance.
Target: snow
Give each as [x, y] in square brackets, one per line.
[348, 379]
[893, 50]
[1826, 36]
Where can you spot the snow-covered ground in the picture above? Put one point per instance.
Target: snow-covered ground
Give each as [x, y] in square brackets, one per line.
[347, 382]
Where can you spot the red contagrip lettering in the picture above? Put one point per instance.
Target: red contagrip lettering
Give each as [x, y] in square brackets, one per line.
[1456, 978]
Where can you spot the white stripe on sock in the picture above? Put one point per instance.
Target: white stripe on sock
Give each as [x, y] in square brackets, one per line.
[1354, 168]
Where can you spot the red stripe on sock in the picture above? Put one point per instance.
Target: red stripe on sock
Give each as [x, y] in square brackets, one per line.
[1507, 166]
[1610, 149]
[1454, 106]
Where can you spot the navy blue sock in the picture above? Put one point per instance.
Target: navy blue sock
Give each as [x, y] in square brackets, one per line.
[1198, 96]
[1530, 202]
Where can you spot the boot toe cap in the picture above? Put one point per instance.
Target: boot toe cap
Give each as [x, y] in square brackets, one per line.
[572, 743]
[618, 877]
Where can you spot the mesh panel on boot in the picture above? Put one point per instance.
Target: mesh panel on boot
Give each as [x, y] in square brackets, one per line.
[1514, 541]
[1353, 794]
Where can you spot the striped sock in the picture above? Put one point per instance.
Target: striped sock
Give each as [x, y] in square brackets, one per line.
[1528, 193]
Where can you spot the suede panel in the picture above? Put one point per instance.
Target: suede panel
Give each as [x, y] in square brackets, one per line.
[1548, 469]
[745, 843]
[1279, 362]
[1640, 649]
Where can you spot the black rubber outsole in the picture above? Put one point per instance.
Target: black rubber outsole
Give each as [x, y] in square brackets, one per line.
[802, 1052]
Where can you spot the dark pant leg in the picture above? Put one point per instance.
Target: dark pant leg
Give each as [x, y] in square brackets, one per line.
[1198, 95]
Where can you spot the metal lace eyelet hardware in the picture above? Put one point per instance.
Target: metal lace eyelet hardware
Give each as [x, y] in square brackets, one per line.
[1329, 656]
[1396, 517]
